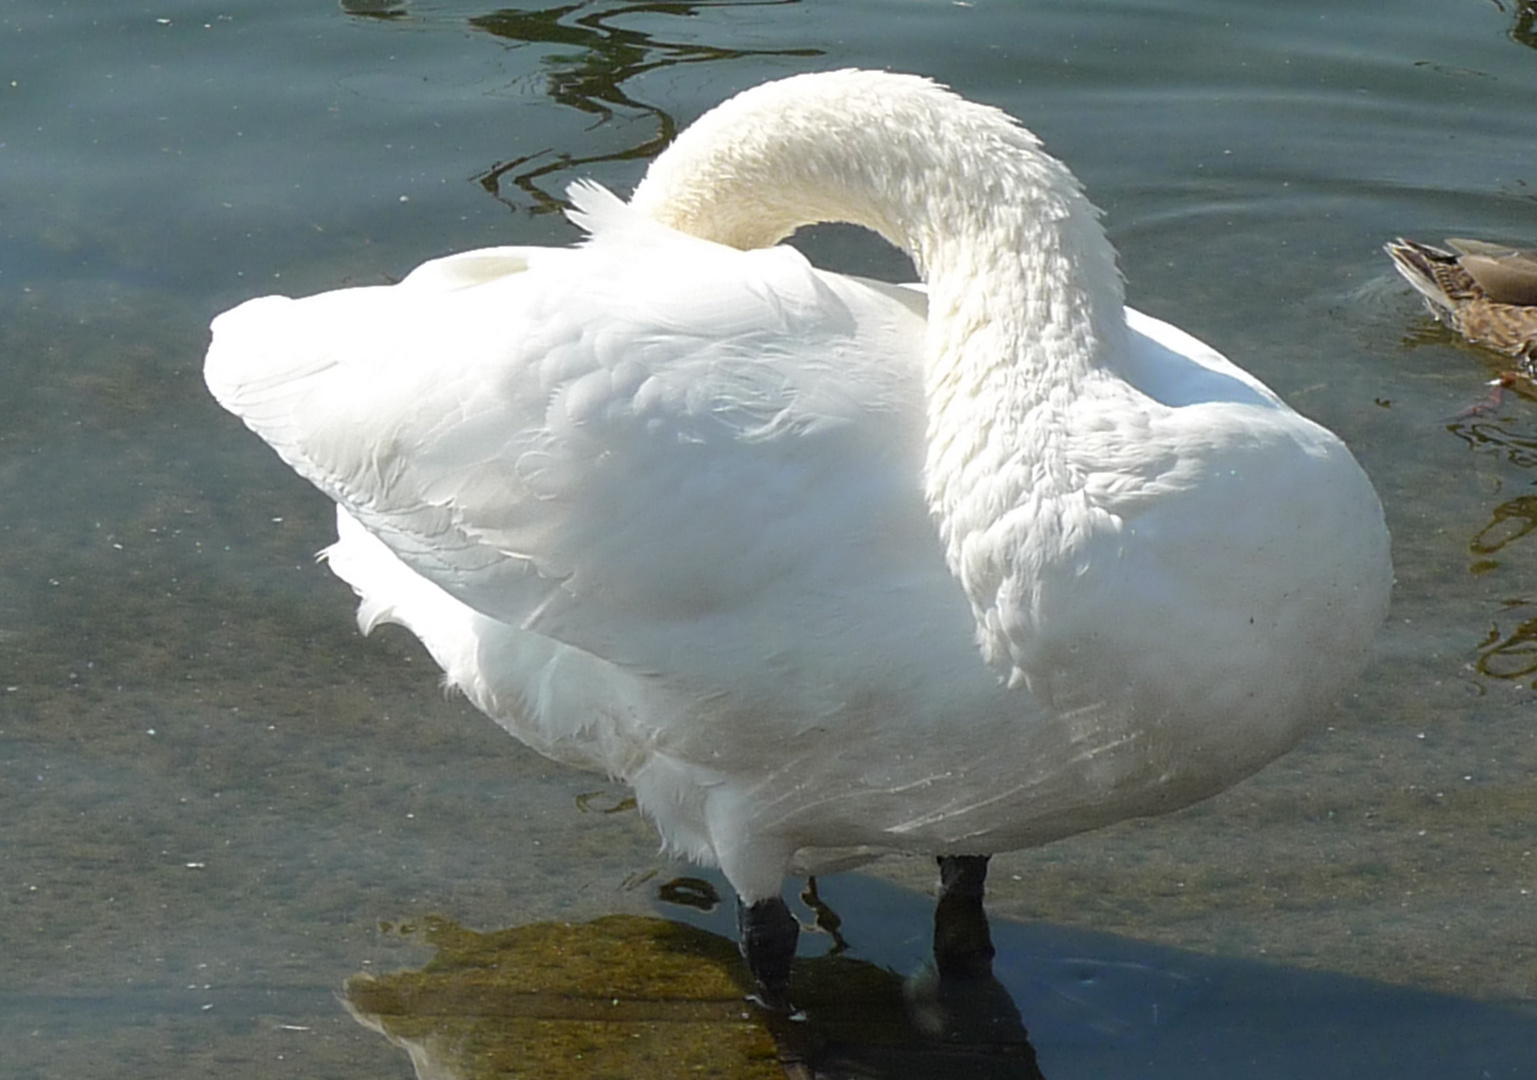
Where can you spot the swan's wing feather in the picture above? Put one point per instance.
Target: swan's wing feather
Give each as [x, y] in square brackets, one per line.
[540, 431]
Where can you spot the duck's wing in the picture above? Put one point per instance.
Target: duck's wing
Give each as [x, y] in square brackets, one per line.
[646, 428]
[1507, 275]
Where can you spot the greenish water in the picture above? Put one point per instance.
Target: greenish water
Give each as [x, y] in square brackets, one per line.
[211, 790]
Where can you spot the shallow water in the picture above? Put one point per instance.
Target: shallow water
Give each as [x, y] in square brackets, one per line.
[212, 790]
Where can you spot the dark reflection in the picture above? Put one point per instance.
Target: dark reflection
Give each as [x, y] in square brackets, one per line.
[590, 78]
[866, 1021]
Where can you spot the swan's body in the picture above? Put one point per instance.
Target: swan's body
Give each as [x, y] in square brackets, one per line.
[824, 567]
[1486, 292]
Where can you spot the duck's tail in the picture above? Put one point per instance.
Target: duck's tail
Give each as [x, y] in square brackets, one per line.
[1435, 274]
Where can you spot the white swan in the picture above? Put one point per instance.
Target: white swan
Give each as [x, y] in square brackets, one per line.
[820, 566]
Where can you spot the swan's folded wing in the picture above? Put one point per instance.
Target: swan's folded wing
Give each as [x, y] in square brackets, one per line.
[654, 427]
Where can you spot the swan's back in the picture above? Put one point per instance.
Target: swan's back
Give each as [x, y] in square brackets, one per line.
[649, 425]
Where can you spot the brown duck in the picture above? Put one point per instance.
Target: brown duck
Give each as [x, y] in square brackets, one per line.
[1486, 292]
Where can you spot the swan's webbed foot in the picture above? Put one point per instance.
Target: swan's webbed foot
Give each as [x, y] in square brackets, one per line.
[768, 933]
[963, 944]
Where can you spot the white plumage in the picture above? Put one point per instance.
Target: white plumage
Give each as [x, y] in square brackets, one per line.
[825, 567]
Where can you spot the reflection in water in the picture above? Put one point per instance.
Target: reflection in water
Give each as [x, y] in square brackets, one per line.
[1506, 652]
[585, 803]
[689, 892]
[1494, 434]
[1526, 15]
[671, 1002]
[1510, 521]
[1510, 654]
[375, 9]
[590, 79]
[1503, 377]
[519, 1002]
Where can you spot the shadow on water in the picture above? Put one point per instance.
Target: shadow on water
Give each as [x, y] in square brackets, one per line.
[638, 996]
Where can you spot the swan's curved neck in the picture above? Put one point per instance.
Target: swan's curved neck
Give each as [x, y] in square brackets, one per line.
[960, 187]
[1025, 301]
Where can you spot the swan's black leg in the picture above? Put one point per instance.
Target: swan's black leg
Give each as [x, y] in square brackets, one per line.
[827, 920]
[963, 944]
[768, 934]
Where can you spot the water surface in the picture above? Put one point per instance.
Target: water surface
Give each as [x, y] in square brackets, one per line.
[213, 790]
